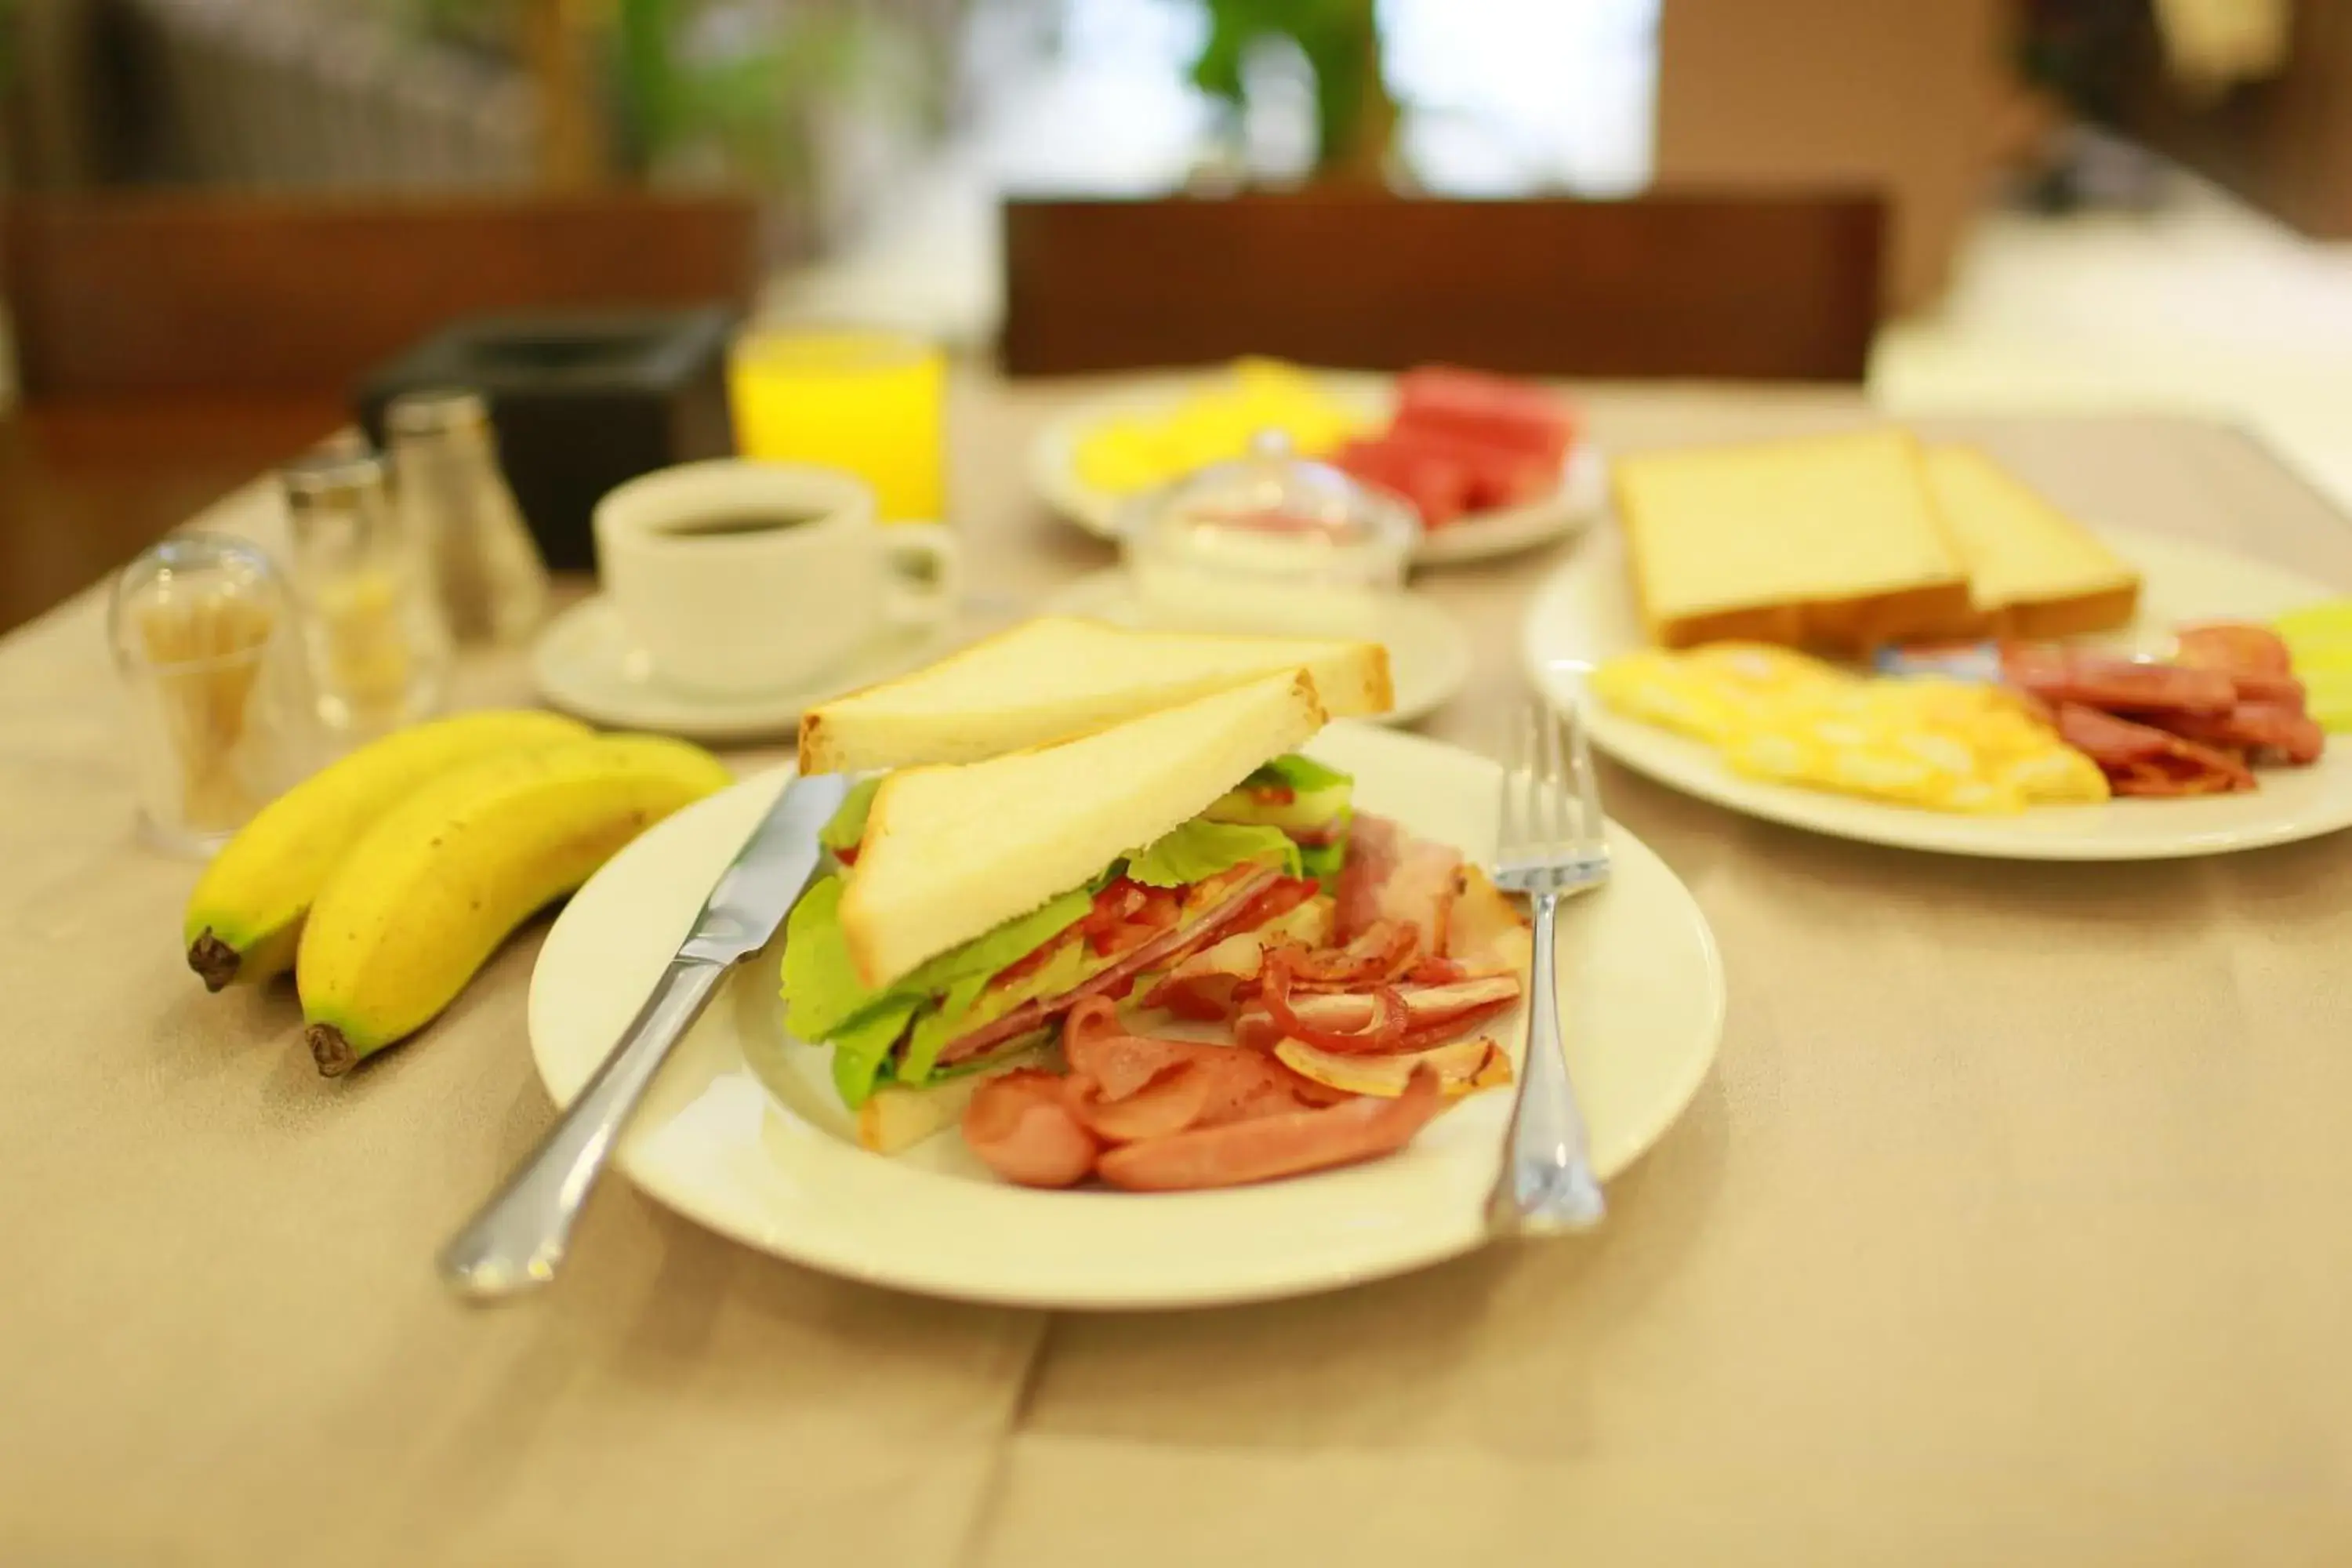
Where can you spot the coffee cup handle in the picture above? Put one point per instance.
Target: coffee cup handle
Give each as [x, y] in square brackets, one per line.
[926, 559]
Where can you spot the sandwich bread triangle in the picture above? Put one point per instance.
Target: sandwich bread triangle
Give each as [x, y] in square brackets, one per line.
[1056, 679]
[951, 853]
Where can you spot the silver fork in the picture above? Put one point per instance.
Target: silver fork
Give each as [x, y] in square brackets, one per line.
[1551, 847]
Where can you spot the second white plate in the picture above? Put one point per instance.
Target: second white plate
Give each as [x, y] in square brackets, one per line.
[1585, 613]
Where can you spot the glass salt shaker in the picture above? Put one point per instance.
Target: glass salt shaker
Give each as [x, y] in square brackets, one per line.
[204, 634]
[451, 493]
[380, 653]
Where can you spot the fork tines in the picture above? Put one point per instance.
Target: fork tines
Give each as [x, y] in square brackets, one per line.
[1547, 837]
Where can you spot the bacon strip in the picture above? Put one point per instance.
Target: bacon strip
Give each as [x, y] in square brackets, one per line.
[2139, 759]
[1174, 945]
[1267, 1147]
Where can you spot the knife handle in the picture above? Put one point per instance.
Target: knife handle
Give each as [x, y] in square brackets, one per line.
[516, 1242]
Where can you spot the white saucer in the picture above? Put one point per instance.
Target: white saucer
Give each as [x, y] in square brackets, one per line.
[1429, 653]
[586, 663]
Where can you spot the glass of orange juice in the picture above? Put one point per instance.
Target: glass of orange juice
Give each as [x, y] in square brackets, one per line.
[868, 400]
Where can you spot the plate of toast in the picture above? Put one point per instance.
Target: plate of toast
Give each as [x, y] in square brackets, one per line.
[1152, 977]
[1877, 572]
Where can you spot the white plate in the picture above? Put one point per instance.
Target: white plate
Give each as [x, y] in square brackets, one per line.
[1582, 495]
[1429, 653]
[586, 663]
[1585, 612]
[742, 1133]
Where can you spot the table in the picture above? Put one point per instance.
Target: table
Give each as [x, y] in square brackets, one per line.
[2008, 1230]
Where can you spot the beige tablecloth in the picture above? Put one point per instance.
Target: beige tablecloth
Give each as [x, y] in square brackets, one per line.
[2011, 1230]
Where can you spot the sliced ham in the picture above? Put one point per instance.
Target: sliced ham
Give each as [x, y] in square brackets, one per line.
[2236, 648]
[1021, 1127]
[1167, 1104]
[1392, 875]
[2139, 759]
[1265, 1148]
[1098, 1046]
[2278, 729]
[2060, 676]
[1168, 947]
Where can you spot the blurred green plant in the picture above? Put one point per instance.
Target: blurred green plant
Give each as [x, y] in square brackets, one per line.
[1355, 115]
[723, 85]
[690, 84]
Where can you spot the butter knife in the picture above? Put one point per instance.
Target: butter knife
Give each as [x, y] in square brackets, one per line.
[516, 1241]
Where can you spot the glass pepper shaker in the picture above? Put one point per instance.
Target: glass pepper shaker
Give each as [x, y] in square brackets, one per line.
[451, 493]
[379, 651]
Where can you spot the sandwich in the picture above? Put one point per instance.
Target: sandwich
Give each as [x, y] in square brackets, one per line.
[975, 903]
[1055, 679]
[1829, 541]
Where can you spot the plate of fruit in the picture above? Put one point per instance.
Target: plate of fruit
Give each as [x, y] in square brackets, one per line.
[1492, 464]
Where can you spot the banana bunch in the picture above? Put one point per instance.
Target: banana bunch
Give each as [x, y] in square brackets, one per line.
[387, 880]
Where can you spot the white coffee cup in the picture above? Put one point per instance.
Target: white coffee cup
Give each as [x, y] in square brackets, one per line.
[737, 578]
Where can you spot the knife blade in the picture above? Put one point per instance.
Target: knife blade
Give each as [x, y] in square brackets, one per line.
[516, 1241]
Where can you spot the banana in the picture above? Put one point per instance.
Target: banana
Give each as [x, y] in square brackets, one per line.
[245, 917]
[429, 892]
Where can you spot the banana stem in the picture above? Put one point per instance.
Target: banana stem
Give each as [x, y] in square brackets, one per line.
[329, 1051]
[214, 960]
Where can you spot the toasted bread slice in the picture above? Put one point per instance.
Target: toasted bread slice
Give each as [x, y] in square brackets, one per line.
[1056, 679]
[1828, 540]
[951, 853]
[2033, 571]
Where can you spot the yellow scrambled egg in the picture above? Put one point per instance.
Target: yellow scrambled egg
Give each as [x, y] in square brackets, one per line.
[1213, 425]
[1772, 714]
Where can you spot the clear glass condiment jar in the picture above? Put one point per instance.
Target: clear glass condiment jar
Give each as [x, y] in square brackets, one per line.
[205, 639]
[379, 648]
[1270, 542]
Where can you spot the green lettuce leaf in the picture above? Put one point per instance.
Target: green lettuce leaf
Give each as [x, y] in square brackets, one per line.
[848, 824]
[1200, 849]
[823, 993]
[1304, 775]
[1323, 861]
[861, 1049]
[935, 1026]
[1009, 944]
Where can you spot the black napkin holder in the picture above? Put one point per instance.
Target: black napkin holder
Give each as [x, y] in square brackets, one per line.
[582, 402]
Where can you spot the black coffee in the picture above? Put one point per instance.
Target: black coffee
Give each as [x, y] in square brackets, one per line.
[734, 525]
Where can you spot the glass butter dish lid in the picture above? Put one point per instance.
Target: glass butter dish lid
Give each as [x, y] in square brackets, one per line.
[1269, 543]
